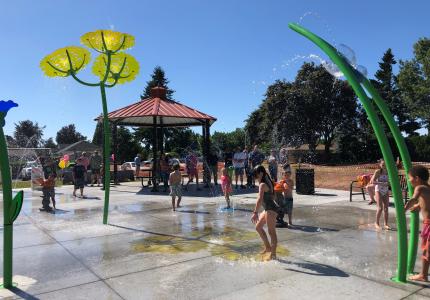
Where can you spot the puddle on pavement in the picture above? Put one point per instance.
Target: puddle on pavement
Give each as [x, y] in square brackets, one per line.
[228, 243]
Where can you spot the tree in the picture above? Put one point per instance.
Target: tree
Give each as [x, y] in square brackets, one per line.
[128, 147]
[317, 106]
[176, 140]
[28, 134]
[68, 135]
[228, 141]
[10, 141]
[260, 125]
[386, 84]
[181, 140]
[98, 134]
[414, 81]
[49, 143]
[158, 78]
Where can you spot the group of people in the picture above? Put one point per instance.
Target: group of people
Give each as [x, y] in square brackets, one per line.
[82, 165]
[275, 198]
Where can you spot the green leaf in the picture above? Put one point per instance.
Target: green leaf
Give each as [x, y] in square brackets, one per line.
[16, 205]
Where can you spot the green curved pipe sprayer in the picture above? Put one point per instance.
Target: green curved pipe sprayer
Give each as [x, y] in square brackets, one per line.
[11, 205]
[387, 154]
[406, 159]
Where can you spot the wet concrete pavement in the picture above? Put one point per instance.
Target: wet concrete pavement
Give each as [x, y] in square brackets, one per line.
[201, 251]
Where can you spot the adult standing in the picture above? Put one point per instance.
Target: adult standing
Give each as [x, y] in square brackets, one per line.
[95, 166]
[283, 159]
[212, 161]
[239, 158]
[137, 162]
[273, 165]
[85, 161]
[164, 170]
[256, 158]
[191, 163]
[248, 169]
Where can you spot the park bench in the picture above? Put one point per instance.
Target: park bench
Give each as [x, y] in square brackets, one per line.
[146, 173]
[355, 184]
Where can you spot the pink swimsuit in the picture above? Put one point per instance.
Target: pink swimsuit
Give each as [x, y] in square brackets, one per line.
[225, 184]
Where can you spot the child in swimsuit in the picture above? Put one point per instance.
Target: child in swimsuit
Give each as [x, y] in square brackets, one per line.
[226, 185]
[175, 180]
[420, 201]
[268, 216]
[380, 180]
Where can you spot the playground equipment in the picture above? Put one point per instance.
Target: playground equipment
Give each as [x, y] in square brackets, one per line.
[112, 67]
[360, 85]
[11, 206]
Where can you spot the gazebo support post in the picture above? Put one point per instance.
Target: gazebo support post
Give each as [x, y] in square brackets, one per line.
[161, 136]
[115, 152]
[205, 155]
[103, 155]
[154, 154]
[207, 144]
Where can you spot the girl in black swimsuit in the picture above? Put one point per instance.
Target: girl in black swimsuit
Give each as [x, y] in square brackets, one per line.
[268, 216]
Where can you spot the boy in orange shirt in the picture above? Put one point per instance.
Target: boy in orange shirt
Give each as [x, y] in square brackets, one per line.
[284, 198]
[48, 189]
[418, 177]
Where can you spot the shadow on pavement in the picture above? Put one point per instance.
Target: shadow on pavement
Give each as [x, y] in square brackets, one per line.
[305, 228]
[315, 269]
[22, 294]
[193, 212]
[325, 195]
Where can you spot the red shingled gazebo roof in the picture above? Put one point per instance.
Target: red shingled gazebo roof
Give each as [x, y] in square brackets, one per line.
[167, 113]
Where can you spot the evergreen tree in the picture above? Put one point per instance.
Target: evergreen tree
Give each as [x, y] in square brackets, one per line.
[98, 134]
[28, 134]
[158, 78]
[49, 143]
[175, 139]
[386, 83]
[69, 135]
[128, 147]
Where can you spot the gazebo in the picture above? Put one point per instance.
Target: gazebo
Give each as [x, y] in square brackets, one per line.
[159, 113]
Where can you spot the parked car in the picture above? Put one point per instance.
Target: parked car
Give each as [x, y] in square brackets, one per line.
[130, 165]
[25, 173]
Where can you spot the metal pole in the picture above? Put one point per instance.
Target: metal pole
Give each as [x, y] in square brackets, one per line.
[154, 154]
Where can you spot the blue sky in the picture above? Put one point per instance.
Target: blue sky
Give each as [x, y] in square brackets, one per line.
[218, 55]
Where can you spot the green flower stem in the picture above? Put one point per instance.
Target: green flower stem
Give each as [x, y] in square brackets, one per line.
[106, 128]
[406, 159]
[106, 147]
[382, 141]
[7, 202]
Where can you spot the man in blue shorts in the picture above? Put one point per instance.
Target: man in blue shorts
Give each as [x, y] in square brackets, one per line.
[239, 159]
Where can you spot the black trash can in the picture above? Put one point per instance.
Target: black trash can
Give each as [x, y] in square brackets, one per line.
[305, 181]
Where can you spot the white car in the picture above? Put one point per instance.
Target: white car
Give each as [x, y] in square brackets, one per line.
[25, 173]
[130, 165]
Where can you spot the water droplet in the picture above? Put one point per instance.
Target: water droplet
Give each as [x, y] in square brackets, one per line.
[362, 70]
[348, 54]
